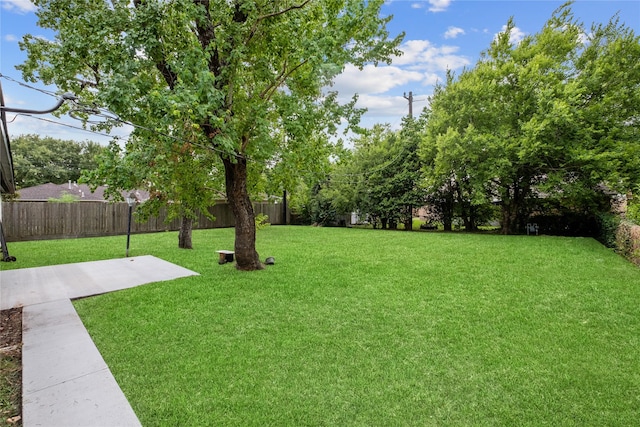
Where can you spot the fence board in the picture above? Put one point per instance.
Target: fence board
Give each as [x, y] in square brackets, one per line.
[49, 220]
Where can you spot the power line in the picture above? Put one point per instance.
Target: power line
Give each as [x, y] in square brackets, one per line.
[70, 126]
[100, 112]
[109, 115]
[11, 79]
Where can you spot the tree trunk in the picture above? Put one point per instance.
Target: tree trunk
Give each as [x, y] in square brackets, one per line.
[238, 197]
[408, 218]
[473, 223]
[507, 223]
[447, 206]
[184, 236]
[512, 208]
[469, 218]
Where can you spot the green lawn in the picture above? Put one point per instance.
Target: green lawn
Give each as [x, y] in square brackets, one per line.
[371, 328]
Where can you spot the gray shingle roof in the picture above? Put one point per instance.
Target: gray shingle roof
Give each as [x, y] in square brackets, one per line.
[80, 191]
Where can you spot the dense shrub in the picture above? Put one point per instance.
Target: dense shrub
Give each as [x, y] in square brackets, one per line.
[608, 224]
[628, 241]
[567, 224]
[633, 211]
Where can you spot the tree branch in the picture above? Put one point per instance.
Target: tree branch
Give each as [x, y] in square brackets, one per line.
[282, 12]
[205, 31]
[96, 77]
[268, 92]
[170, 77]
[271, 15]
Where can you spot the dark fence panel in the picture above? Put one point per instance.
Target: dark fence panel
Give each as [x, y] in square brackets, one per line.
[47, 220]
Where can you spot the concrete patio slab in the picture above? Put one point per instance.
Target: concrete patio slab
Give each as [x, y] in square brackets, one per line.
[56, 347]
[29, 286]
[66, 382]
[94, 400]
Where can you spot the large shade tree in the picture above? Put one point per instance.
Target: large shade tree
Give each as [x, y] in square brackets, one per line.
[241, 72]
[554, 117]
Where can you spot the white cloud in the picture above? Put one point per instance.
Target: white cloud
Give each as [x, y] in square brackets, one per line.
[20, 6]
[422, 65]
[422, 54]
[453, 32]
[10, 38]
[388, 109]
[515, 36]
[382, 106]
[434, 5]
[59, 127]
[372, 79]
[43, 38]
[439, 5]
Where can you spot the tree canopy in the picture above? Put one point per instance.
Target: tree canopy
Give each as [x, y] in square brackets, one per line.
[242, 73]
[380, 178]
[384, 175]
[39, 160]
[177, 175]
[552, 118]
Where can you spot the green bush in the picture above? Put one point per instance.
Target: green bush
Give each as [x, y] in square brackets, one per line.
[628, 241]
[262, 221]
[608, 224]
[633, 211]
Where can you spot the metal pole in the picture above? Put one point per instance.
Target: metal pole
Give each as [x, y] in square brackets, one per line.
[284, 207]
[129, 229]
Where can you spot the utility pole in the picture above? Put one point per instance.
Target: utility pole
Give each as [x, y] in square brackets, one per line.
[410, 99]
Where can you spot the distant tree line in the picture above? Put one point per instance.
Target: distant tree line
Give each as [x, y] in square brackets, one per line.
[547, 128]
[41, 159]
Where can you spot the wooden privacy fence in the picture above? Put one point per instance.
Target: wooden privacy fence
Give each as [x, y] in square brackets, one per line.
[48, 220]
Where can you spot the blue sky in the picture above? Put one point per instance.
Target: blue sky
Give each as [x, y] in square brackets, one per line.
[440, 35]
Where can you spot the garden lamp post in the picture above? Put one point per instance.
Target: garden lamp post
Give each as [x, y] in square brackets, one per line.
[131, 200]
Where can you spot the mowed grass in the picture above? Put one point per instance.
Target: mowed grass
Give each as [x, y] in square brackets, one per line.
[371, 328]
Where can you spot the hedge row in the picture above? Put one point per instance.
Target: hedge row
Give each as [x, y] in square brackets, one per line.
[621, 235]
[628, 241]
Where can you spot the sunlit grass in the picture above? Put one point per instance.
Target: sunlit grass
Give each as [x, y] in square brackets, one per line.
[364, 327]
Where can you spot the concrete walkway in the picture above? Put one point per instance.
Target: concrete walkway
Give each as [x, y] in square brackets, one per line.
[65, 380]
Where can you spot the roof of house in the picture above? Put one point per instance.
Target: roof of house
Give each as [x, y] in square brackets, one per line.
[82, 192]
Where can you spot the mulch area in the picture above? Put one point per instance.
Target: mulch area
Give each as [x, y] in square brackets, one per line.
[11, 367]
